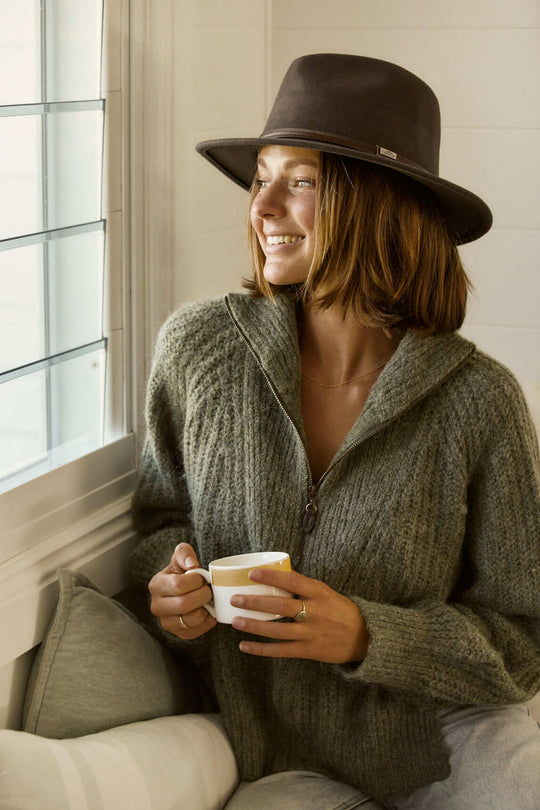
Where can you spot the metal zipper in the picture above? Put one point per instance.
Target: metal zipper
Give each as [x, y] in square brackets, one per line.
[310, 510]
[280, 403]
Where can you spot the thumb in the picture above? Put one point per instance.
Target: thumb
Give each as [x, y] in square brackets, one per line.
[183, 558]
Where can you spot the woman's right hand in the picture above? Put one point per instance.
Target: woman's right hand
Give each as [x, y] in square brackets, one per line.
[177, 594]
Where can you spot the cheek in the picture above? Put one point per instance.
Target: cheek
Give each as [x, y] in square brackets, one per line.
[306, 215]
[255, 221]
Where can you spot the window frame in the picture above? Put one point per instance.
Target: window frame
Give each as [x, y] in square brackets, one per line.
[79, 514]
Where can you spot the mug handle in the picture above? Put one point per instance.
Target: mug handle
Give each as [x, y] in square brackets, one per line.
[206, 575]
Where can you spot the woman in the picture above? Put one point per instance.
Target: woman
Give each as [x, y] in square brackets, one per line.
[335, 414]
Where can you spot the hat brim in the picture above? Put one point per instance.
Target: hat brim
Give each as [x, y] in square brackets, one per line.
[466, 215]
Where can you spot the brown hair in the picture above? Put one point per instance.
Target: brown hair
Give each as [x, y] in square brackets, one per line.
[382, 248]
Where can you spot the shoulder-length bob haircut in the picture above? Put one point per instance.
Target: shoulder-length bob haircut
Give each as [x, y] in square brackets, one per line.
[382, 249]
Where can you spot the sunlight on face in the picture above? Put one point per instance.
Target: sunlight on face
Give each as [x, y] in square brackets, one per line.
[283, 212]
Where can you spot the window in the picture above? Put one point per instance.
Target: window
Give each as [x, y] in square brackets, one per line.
[52, 235]
[67, 453]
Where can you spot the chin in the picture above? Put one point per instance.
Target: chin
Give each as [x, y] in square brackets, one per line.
[282, 277]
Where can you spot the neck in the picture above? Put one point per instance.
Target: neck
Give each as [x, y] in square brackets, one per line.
[335, 347]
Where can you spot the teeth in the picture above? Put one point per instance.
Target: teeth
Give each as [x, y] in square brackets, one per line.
[282, 240]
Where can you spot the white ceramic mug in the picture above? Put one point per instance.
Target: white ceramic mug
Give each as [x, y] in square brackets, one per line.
[230, 575]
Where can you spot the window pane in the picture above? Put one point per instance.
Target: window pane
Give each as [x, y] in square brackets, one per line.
[72, 53]
[20, 175]
[23, 424]
[20, 52]
[77, 397]
[22, 323]
[73, 47]
[50, 298]
[75, 291]
[76, 390]
[71, 144]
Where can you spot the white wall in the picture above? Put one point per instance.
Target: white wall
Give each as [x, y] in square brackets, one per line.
[221, 78]
[204, 74]
[482, 58]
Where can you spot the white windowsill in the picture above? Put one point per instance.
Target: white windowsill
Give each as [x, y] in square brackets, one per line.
[62, 498]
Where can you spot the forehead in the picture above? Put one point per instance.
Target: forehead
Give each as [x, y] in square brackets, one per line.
[288, 156]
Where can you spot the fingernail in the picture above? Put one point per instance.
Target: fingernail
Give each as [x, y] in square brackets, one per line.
[255, 575]
[238, 623]
[237, 601]
[190, 562]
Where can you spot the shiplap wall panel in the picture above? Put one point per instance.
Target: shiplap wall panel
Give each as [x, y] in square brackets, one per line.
[305, 14]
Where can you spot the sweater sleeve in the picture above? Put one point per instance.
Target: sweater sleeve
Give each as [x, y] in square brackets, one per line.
[482, 645]
[161, 505]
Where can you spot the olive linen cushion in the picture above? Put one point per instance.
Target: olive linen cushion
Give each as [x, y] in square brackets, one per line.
[169, 763]
[98, 667]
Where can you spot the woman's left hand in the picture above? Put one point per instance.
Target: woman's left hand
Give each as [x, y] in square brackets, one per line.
[333, 632]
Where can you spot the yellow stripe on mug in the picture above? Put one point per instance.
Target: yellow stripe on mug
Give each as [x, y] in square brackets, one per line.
[240, 576]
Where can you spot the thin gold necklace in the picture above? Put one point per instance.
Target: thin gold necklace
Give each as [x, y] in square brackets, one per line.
[346, 382]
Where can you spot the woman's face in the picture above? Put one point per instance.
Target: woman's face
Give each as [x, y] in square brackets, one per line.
[283, 211]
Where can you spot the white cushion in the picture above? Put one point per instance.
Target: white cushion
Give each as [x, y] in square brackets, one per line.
[168, 763]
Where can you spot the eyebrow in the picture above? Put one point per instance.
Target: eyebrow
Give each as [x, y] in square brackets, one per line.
[292, 163]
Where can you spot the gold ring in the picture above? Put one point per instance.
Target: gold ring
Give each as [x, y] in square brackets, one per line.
[183, 624]
[301, 616]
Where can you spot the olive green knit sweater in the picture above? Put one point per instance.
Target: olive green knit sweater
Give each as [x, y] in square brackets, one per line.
[428, 518]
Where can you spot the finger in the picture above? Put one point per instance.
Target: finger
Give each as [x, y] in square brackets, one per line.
[287, 649]
[178, 605]
[183, 558]
[289, 581]
[195, 618]
[172, 625]
[285, 631]
[282, 605]
[166, 584]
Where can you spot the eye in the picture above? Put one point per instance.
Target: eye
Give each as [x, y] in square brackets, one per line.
[304, 182]
[260, 184]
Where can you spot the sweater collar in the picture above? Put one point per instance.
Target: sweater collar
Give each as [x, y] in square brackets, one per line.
[418, 366]
[270, 329]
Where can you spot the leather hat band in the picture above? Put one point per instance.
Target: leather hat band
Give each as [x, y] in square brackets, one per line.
[338, 140]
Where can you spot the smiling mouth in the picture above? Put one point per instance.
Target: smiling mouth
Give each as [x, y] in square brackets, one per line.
[283, 239]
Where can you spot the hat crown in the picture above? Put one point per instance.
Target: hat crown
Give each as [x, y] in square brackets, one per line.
[350, 99]
[365, 109]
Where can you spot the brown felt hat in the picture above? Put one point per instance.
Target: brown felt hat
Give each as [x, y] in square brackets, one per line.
[363, 108]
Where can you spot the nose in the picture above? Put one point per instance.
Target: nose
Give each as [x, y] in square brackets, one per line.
[269, 201]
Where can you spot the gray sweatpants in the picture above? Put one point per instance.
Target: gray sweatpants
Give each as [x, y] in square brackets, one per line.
[495, 761]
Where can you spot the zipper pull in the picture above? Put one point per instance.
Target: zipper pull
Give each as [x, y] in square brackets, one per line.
[310, 516]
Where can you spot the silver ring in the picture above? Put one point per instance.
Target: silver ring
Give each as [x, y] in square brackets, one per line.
[183, 625]
[301, 616]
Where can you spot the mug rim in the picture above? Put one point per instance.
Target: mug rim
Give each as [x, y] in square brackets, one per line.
[225, 563]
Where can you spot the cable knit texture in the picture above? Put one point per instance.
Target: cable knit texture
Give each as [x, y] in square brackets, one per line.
[428, 518]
